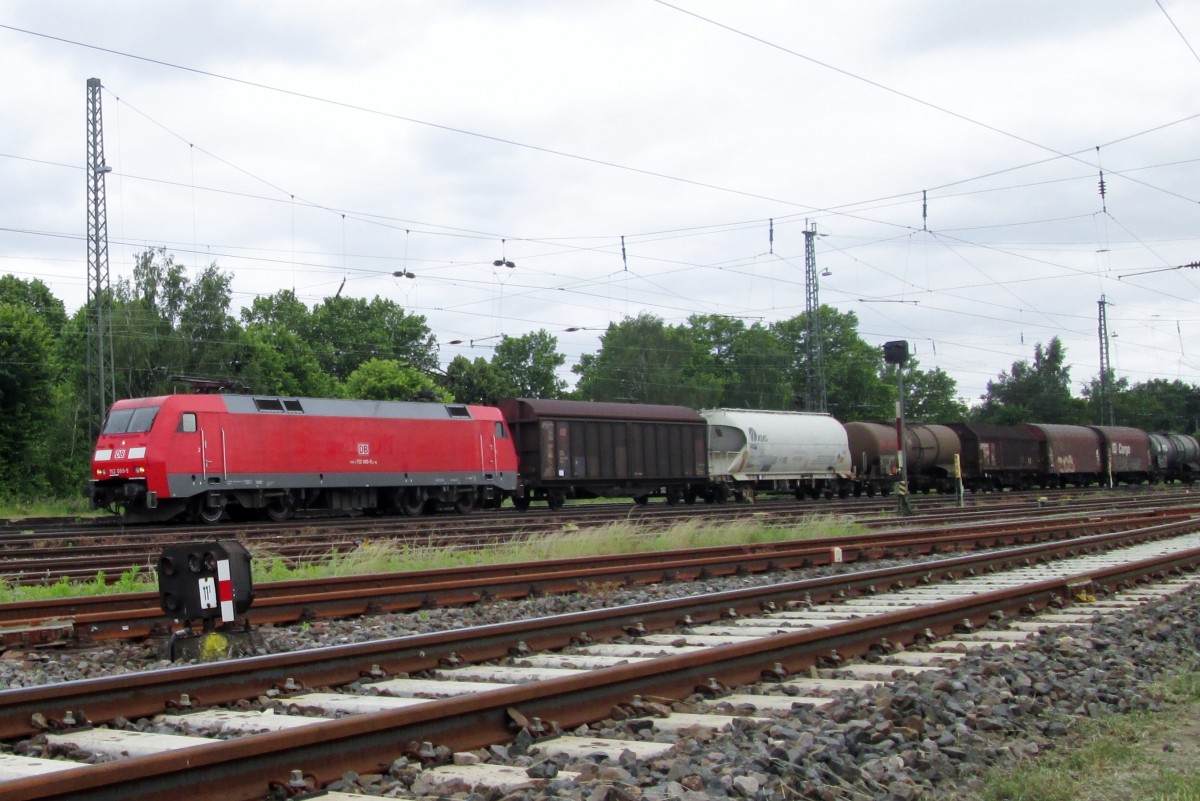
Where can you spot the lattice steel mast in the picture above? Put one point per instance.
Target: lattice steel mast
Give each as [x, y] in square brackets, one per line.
[100, 377]
[814, 391]
[1106, 410]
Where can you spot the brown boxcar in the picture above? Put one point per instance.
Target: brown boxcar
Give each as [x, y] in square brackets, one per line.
[1070, 454]
[995, 457]
[929, 449]
[577, 449]
[1126, 454]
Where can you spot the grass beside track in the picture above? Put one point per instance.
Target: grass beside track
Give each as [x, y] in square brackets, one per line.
[386, 556]
[1133, 757]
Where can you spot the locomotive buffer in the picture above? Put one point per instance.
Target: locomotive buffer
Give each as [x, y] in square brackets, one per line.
[209, 582]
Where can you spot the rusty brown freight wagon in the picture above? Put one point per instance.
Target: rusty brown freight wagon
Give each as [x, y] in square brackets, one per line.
[578, 449]
[998, 457]
[1071, 454]
[1126, 454]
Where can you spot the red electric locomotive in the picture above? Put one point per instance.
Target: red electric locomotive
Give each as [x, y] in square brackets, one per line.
[209, 455]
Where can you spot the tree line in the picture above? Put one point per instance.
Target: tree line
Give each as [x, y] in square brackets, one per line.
[167, 324]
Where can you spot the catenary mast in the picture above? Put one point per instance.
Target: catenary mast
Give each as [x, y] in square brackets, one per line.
[101, 380]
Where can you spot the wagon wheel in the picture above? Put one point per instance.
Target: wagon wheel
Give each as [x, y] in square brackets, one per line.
[641, 500]
[464, 503]
[203, 513]
[674, 496]
[410, 501]
[279, 508]
[521, 502]
[556, 499]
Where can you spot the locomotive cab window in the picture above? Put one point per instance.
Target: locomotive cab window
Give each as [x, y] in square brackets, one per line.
[130, 421]
[501, 432]
[187, 423]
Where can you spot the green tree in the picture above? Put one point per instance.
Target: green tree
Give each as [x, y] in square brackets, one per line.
[37, 297]
[930, 396]
[346, 332]
[1034, 393]
[641, 360]
[854, 387]
[28, 372]
[757, 371]
[206, 325]
[388, 379]
[166, 324]
[273, 360]
[283, 310]
[1155, 405]
[476, 381]
[530, 365]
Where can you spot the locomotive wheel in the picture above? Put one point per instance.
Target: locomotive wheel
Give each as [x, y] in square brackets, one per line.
[464, 503]
[410, 501]
[203, 513]
[279, 509]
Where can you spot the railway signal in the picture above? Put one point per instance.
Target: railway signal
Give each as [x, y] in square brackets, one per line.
[209, 582]
[896, 353]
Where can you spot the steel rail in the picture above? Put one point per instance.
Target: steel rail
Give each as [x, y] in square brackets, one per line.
[136, 615]
[243, 769]
[147, 693]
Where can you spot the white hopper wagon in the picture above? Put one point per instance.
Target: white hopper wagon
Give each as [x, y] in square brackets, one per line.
[752, 452]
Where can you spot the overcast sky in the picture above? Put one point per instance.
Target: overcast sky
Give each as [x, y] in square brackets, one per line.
[301, 145]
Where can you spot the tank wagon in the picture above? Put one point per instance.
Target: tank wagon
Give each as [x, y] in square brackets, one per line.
[577, 449]
[929, 451]
[208, 455]
[1176, 457]
[802, 453]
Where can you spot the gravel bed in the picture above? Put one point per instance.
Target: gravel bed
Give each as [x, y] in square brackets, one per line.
[929, 737]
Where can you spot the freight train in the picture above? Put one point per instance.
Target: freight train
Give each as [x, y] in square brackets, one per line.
[209, 457]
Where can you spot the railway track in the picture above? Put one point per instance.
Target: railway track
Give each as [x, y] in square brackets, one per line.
[48, 553]
[91, 619]
[291, 724]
